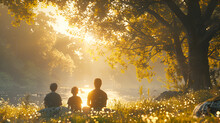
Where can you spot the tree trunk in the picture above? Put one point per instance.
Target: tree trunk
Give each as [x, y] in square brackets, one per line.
[181, 59]
[196, 22]
[199, 77]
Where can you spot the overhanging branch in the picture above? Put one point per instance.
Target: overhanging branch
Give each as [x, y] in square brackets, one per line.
[211, 33]
[158, 17]
[139, 30]
[209, 10]
[144, 7]
[173, 7]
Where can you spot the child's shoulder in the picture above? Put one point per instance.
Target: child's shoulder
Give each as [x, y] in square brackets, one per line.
[74, 97]
[71, 97]
[78, 97]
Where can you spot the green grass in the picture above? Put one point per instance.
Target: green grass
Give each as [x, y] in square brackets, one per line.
[176, 109]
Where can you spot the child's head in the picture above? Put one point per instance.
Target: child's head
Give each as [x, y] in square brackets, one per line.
[74, 91]
[53, 87]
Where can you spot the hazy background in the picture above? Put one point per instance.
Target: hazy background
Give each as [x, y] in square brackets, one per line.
[33, 56]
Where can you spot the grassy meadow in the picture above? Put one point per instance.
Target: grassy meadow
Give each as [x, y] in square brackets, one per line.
[175, 109]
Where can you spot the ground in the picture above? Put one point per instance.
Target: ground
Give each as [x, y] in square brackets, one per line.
[176, 109]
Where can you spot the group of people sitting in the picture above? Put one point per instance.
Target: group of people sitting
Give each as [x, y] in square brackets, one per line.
[97, 98]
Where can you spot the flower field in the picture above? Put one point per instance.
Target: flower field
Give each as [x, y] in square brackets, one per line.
[175, 109]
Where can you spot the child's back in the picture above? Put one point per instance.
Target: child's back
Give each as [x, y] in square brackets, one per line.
[75, 101]
[52, 99]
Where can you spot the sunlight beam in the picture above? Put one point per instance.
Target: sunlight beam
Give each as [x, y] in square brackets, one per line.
[60, 24]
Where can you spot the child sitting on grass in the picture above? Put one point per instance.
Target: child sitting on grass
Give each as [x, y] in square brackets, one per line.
[74, 102]
[52, 99]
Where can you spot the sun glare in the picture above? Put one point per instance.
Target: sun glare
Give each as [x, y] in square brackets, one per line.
[59, 22]
[83, 94]
[89, 39]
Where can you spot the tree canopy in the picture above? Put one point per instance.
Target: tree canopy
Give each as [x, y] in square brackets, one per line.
[184, 35]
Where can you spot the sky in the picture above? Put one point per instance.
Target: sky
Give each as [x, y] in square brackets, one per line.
[38, 54]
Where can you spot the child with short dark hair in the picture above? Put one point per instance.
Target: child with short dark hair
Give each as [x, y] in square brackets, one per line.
[74, 102]
[52, 99]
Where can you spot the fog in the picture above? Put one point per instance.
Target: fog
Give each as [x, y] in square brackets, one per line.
[33, 56]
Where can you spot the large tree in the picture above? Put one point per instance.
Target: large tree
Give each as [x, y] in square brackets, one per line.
[184, 33]
[201, 27]
[195, 20]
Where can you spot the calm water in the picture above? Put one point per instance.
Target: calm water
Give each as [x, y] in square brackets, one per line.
[15, 96]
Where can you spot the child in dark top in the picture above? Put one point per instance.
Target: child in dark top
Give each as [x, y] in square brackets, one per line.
[52, 99]
[74, 102]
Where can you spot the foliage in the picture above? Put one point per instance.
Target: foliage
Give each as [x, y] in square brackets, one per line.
[30, 55]
[176, 109]
[140, 32]
[22, 112]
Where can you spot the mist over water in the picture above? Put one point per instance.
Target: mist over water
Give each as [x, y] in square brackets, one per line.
[28, 52]
[124, 95]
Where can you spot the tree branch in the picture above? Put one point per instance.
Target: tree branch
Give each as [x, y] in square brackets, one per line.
[209, 10]
[194, 9]
[139, 31]
[211, 33]
[182, 40]
[151, 56]
[218, 59]
[173, 7]
[145, 3]
[212, 52]
[142, 9]
[158, 17]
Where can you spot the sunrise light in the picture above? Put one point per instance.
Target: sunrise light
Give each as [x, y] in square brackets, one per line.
[89, 39]
[83, 94]
[59, 21]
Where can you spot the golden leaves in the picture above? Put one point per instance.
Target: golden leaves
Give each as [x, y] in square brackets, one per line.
[21, 10]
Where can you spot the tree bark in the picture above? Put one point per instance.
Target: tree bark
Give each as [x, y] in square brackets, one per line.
[199, 77]
[181, 60]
